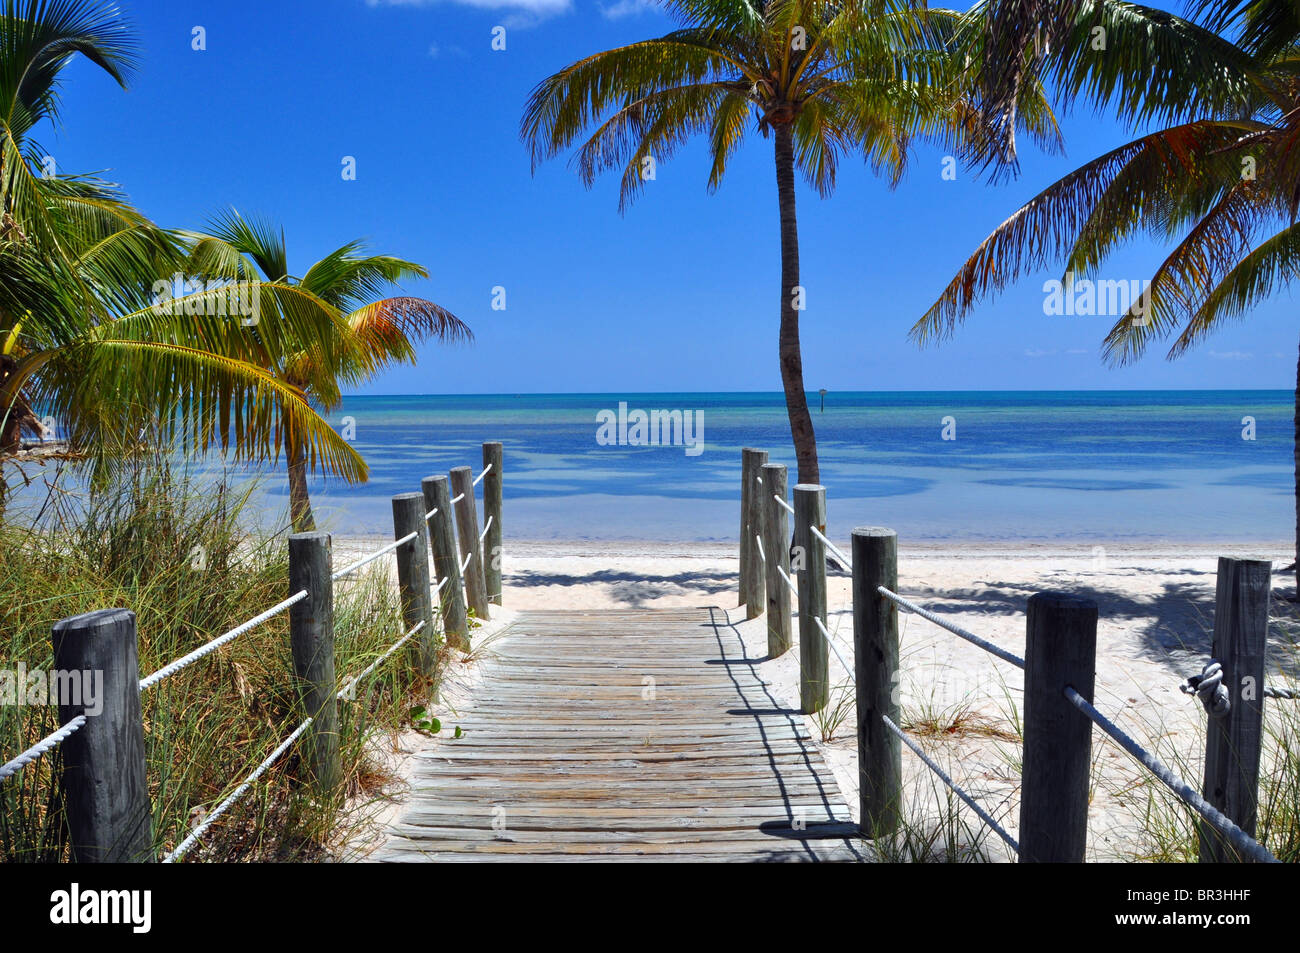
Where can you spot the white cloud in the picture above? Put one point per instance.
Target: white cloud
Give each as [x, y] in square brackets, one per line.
[627, 8]
[436, 51]
[1077, 350]
[1231, 355]
[1036, 352]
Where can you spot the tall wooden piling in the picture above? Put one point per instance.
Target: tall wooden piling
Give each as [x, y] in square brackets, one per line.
[1060, 651]
[462, 486]
[413, 577]
[776, 535]
[753, 573]
[106, 796]
[810, 562]
[492, 492]
[446, 563]
[311, 638]
[875, 665]
[1232, 742]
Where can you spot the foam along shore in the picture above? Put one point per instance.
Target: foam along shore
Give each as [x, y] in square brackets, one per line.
[1156, 605]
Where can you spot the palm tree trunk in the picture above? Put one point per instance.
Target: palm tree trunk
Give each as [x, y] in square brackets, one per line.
[299, 500]
[11, 431]
[796, 398]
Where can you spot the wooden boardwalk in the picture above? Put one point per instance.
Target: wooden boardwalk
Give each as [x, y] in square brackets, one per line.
[623, 735]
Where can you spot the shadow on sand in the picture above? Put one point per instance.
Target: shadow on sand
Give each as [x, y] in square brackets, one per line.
[1174, 625]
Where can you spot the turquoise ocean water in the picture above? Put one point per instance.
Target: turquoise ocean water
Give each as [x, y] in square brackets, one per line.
[1073, 467]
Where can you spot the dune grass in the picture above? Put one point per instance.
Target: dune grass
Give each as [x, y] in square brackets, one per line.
[1170, 829]
[175, 548]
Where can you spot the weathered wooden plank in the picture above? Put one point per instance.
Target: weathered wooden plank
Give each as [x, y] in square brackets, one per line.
[778, 846]
[428, 853]
[623, 735]
[784, 838]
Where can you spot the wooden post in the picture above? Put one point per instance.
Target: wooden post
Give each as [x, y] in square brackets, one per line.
[749, 463]
[1232, 742]
[311, 637]
[742, 577]
[462, 485]
[106, 796]
[810, 561]
[776, 534]
[875, 668]
[492, 510]
[413, 576]
[446, 563]
[751, 522]
[1060, 650]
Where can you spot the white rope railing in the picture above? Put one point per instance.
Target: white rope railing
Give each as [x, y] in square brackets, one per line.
[239, 792]
[1239, 839]
[1209, 687]
[465, 562]
[788, 581]
[761, 555]
[830, 640]
[429, 515]
[486, 526]
[969, 801]
[788, 508]
[457, 498]
[352, 682]
[848, 563]
[478, 479]
[207, 649]
[957, 630]
[382, 551]
[42, 747]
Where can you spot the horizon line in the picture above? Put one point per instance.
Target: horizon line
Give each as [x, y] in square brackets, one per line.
[829, 391]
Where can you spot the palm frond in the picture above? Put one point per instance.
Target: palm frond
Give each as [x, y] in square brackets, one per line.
[220, 401]
[1047, 228]
[1261, 272]
[37, 40]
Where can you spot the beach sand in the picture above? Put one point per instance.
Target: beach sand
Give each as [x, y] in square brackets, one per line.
[1156, 614]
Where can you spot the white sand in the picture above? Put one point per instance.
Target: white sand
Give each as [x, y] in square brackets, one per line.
[392, 753]
[1156, 610]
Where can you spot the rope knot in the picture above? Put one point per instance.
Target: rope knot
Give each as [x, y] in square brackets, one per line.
[1209, 688]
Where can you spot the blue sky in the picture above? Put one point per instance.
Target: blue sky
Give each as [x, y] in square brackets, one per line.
[678, 294]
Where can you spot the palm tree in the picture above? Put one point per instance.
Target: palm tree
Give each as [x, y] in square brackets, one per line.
[82, 333]
[1225, 185]
[822, 78]
[376, 333]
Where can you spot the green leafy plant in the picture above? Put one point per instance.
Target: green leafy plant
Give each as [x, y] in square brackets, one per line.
[422, 721]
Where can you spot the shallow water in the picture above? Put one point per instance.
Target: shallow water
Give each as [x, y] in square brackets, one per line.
[1119, 465]
[1074, 467]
